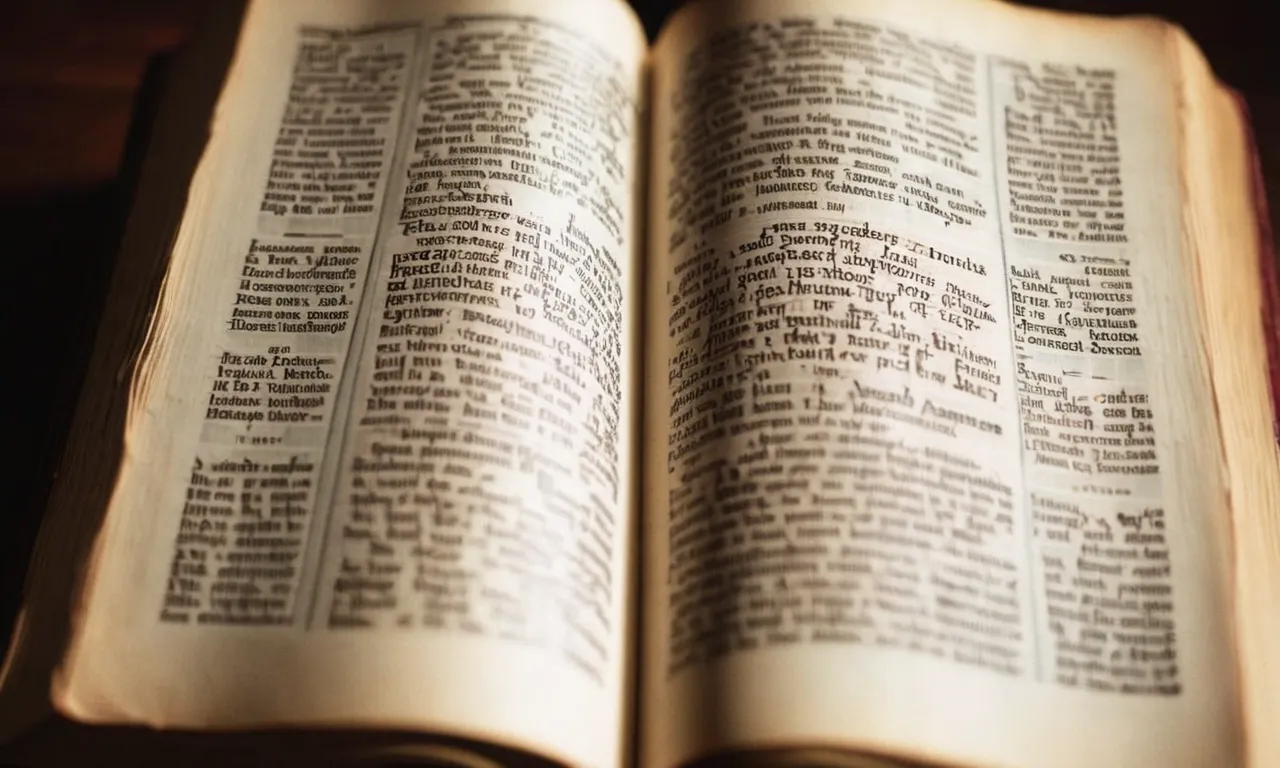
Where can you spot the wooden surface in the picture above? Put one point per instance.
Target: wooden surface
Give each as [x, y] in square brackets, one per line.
[70, 71]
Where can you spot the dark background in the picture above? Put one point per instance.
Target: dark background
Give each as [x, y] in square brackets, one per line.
[71, 74]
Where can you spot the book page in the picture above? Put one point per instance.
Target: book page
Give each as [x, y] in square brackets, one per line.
[1233, 236]
[931, 454]
[378, 453]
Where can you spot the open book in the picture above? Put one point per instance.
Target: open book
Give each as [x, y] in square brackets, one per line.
[830, 383]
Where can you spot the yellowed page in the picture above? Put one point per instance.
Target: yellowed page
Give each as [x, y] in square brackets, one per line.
[1223, 224]
[932, 457]
[378, 468]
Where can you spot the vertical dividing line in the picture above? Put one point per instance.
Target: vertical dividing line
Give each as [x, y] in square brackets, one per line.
[345, 395]
[1033, 604]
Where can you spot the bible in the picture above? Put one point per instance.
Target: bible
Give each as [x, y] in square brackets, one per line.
[825, 383]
